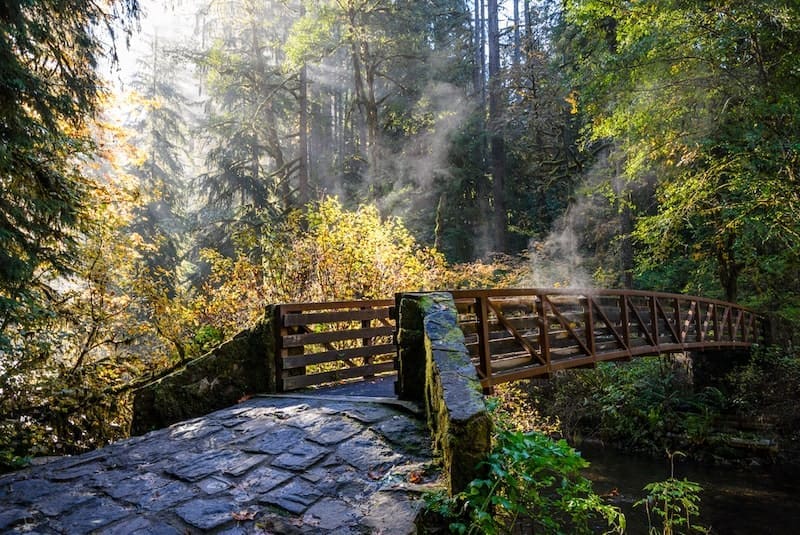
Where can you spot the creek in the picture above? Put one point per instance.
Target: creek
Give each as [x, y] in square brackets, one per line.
[760, 500]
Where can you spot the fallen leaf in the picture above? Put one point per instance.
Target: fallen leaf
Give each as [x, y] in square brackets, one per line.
[611, 493]
[415, 477]
[243, 515]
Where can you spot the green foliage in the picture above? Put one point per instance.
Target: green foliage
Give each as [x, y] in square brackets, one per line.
[766, 387]
[334, 253]
[49, 211]
[207, 337]
[532, 481]
[521, 413]
[312, 36]
[66, 371]
[325, 253]
[48, 52]
[673, 504]
[249, 126]
[703, 97]
[647, 404]
[463, 196]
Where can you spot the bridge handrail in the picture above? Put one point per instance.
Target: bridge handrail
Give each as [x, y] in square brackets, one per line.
[513, 292]
[562, 328]
[320, 343]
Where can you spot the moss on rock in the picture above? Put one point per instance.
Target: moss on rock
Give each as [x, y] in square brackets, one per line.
[218, 379]
[435, 369]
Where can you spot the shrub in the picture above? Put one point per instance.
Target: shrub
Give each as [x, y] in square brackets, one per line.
[532, 481]
[672, 504]
[766, 387]
[647, 404]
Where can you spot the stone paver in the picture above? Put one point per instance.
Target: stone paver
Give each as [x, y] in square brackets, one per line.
[278, 464]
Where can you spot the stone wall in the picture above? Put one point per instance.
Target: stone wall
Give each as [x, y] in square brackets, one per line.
[239, 367]
[435, 369]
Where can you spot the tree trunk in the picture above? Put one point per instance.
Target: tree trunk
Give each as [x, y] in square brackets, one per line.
[498, 163]
[623, 194]
[727, 267]
[302, 170]
[517, 45]
[528, 23]
[361, 98]
[438, 227]
[478, 71]
[626, 244]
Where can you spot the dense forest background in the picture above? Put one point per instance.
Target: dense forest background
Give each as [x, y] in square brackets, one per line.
[284, 150]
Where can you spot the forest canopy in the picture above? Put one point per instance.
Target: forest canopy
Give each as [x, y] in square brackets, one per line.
[259, 152]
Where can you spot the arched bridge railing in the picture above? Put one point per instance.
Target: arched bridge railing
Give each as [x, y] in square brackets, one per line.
[511, 334]
[521, 333]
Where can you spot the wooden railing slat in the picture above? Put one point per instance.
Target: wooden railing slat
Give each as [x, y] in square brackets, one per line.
[311, 318]
[297, 340]
[294, 361]
[301, 381]
[288, 308]
[484, 353]
[564, 323]
[515, 334]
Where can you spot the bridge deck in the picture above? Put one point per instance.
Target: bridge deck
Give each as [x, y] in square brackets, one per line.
[270, 464]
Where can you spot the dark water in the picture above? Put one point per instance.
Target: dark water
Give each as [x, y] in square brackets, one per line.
[734, 501]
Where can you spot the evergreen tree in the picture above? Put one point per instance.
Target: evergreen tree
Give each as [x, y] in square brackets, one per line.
[48, 87]
[160, 135]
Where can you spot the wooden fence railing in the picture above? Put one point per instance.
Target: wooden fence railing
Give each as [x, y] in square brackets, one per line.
[517, 334]
[511, 334]
[326, 342]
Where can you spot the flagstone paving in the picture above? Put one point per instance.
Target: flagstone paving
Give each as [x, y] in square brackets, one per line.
[284, 465]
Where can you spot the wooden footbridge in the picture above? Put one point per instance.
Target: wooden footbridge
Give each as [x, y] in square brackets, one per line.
[512, 334]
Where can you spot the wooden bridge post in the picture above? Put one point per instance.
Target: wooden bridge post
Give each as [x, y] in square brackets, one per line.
[279, 350]
[272, 340]
[729, 324]
[699, 333]
[588, 315]
[544, 330]
[625, 320]
[484, 351]
[365, 342]
[651, 301]
[284, 352]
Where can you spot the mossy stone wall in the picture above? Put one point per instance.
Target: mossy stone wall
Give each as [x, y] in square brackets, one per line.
[242, 366]
[435, 369]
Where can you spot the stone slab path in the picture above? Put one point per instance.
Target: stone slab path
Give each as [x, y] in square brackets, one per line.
[283, 465]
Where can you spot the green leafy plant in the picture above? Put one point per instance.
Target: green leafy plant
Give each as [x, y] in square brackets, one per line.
[764, 388]
[207, 337]
[646, 405]
[532, 481]
[672, 503]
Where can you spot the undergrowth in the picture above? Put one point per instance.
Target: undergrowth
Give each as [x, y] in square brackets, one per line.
[533, 481]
